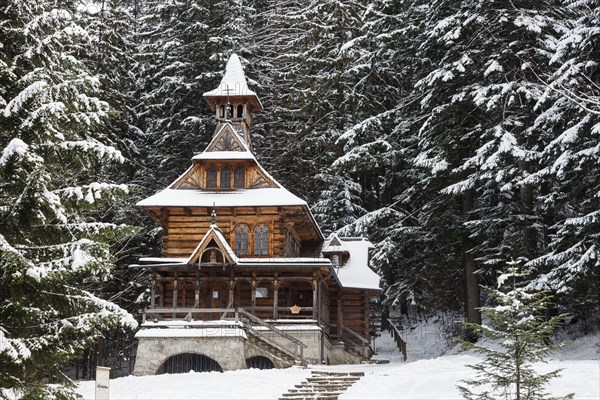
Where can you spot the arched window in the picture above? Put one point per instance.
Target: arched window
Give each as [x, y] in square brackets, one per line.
[239, 178]
[261, 240]
[225, 178]
[221, 111]
[242, 232]
[211, 177]
[240, 111]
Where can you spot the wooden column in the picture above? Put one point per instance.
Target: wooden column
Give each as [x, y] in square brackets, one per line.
[161, 288]
[253, 294]
[315, 299]
[340, 316]
[231, 288]
[276, 284]
[367, 314]
[153, 291]
[174, 294]
[197, 291]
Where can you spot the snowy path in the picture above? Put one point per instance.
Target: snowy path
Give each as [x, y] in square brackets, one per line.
[434, 378]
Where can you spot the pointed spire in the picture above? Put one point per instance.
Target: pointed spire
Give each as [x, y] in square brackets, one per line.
[233, 85]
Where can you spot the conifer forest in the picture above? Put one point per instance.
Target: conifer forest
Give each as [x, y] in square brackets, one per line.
[457, 135]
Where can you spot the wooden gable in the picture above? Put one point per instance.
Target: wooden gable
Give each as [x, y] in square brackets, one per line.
[227, 139]
[213, 241]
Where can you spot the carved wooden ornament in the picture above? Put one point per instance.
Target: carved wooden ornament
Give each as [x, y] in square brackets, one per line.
[295, 309]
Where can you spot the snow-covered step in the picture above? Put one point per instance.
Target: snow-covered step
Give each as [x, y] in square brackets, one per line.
[322, 385]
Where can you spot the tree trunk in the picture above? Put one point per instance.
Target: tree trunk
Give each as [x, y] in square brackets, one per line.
[471, 282]
[529, 232]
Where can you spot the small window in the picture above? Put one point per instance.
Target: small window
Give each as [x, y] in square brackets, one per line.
[240, 111]
[221, 111]
[261, 240]
[262, 292]
[241, 239]
[225, 178]
[335, 260]
[211, 177]
[239, 178]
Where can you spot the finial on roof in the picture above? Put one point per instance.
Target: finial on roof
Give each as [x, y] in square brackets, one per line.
[214, 216]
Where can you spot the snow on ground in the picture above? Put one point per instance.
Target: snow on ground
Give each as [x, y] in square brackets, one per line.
[242, 384]
[434, 368]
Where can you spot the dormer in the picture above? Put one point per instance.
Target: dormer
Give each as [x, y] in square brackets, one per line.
[233, 102]
[336, 251]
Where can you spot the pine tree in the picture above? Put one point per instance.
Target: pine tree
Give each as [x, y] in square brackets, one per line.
[519, 323]
[56, 195]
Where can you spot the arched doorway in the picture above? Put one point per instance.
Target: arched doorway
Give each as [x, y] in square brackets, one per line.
[186, 362]
[259, 362]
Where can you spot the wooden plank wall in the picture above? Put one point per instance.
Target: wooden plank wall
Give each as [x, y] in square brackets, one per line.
[185, 227]
[355, 311]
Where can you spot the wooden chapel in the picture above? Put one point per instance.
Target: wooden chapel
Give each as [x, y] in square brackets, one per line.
[246, 278]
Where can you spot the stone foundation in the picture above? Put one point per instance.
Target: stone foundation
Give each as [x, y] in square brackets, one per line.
[152, 352]
[232, 348]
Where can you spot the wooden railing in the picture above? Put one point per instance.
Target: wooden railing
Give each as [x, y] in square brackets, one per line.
[292, 346]
[187, 314]
[357, 340]
[297, 347]
[387, 324]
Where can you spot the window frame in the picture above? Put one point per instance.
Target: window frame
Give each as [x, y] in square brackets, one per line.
[238, 240]
[222, 180]
[261, 240]
[236, 184]
[208, 176]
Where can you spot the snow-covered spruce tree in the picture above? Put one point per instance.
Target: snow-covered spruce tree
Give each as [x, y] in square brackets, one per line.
[519, 325]
[317, 69]
[479, 139]
[571, 165]
[183, 46]
[55, 231]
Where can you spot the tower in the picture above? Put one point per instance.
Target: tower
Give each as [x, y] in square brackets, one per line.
[233, 101]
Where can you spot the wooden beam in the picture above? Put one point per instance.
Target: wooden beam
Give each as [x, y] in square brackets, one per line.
[314, 302]
[276, 284]
[164, 219]
[340, 316]
[253, 284]
[153, 291]
[174, 294]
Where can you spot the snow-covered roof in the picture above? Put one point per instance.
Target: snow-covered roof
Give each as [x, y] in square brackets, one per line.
[355, 273]
[224, 155]
[234, 198]
[165, 260]
[191, 332]
[284, 262]
[335, 245]
[233, 82]
[213, 233]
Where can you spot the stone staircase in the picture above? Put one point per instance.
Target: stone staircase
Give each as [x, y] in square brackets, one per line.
[284, 359]
[322, 385]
